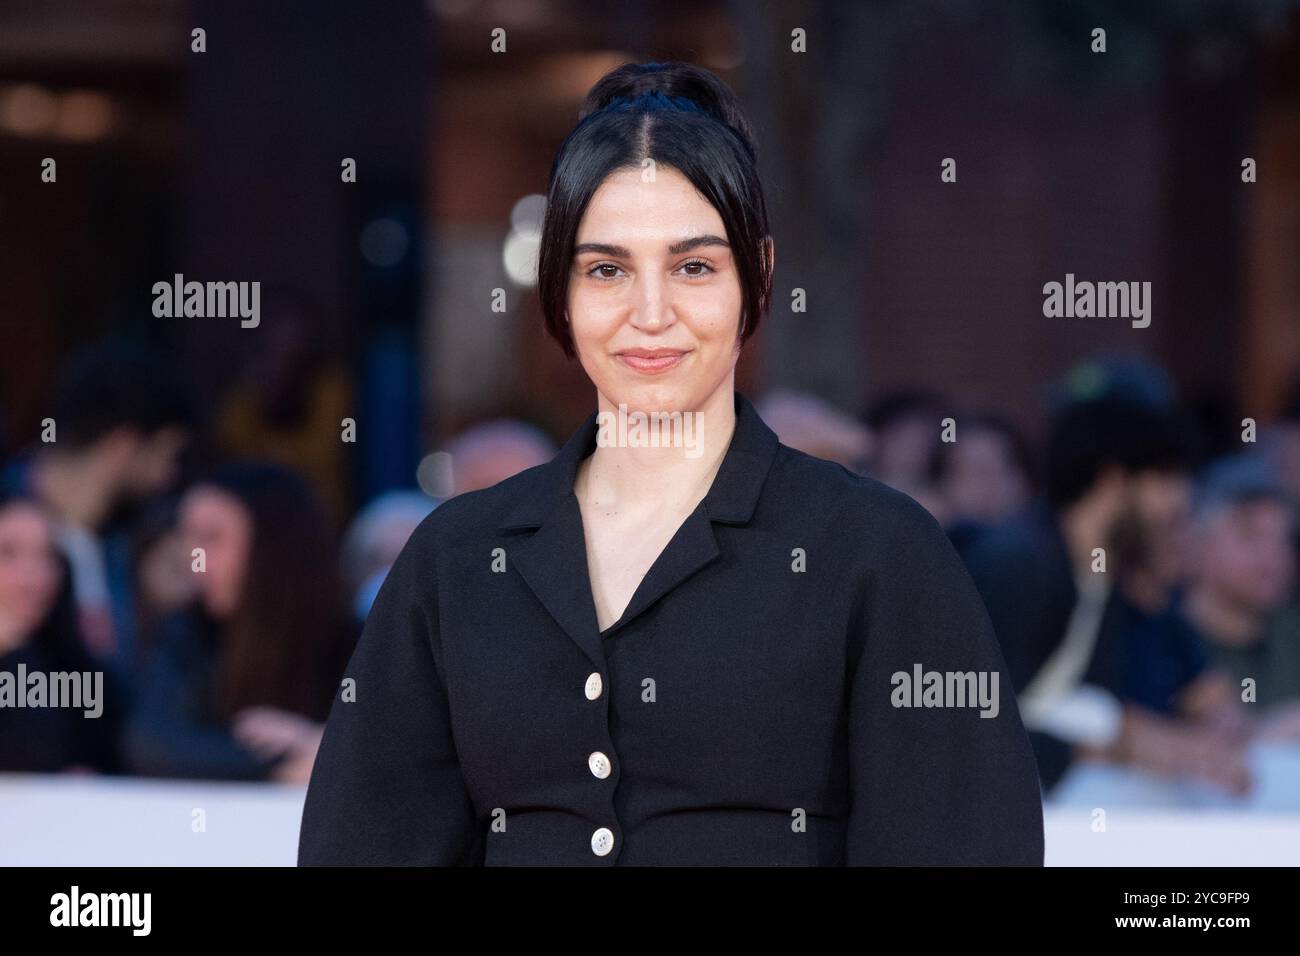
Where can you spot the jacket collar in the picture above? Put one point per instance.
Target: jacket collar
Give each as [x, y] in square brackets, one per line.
[553, 559]
[730, 500]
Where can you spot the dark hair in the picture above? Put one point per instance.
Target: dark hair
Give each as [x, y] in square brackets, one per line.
[57, 644]
[119, 385]
[282, 647]
[1086, 437]
[682, 117]
[59, 634]
[1240, 479]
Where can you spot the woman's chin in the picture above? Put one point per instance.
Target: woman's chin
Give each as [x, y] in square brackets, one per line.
[651, 399]
[680, 390]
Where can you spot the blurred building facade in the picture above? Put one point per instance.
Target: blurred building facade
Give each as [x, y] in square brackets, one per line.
[1123, 165]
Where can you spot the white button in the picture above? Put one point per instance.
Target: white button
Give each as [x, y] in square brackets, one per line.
[599, 765]
[593, 686]
[602, 841]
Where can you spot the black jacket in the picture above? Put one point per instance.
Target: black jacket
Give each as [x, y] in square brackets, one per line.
[742, 710]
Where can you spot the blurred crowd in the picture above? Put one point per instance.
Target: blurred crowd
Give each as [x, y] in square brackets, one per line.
[1143, 590]
[195, 561]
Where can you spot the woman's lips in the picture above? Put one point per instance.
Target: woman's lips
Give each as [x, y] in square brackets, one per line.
[650, 363]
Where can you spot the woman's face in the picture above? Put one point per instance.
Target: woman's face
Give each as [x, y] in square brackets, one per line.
[654, 297]
[218, 522]
[30, 573]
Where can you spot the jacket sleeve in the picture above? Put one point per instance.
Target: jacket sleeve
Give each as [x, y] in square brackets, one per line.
[386, 788]
[933, 785]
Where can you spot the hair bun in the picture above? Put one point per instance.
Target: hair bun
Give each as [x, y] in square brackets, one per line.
[675, 79]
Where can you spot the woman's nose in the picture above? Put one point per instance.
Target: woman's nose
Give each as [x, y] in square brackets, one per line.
[652, 309]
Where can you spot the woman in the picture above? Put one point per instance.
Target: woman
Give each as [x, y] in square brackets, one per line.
[38, 636]
[237, 686]
[681, 648]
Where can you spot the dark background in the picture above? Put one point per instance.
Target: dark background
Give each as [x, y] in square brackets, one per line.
[225, 165]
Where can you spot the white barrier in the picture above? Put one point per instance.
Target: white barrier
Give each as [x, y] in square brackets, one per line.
[109, 821]
[89, 821]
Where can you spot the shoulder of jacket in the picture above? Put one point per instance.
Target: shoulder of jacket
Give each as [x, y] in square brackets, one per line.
[474, 515]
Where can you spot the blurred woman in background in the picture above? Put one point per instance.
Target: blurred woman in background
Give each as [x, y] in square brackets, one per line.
[38, 632]
[163, 580]
[236, 686]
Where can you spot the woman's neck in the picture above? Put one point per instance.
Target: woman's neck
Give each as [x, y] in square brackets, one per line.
[623, 475]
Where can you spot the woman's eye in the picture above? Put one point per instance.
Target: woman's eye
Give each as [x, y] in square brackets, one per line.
[696, 268]
[604, 271]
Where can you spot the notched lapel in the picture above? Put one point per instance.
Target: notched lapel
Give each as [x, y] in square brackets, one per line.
[690, 549]
[552, 559]
[553, 563]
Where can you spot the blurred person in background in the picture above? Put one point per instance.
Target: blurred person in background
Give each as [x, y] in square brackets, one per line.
[1242, 581]
[164, 582]
[122, 420]
[375, 538]
[38, 632]
[982, 478]
[486, 454]
[1279, 443]
[1103, 669]
[907, 426]
[291, 401]
[237, 686]
[806, 423]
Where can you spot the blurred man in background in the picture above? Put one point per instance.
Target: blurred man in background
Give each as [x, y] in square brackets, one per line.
[493, 451]
[982, 479]
[1080, 593]
[906, 427]
[120, 422]
[806, 423]
[1243, 573]
[375, 538]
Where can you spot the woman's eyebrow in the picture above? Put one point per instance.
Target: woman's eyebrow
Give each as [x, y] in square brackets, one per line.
[676, 249]
[603, 248]
[695, 242]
